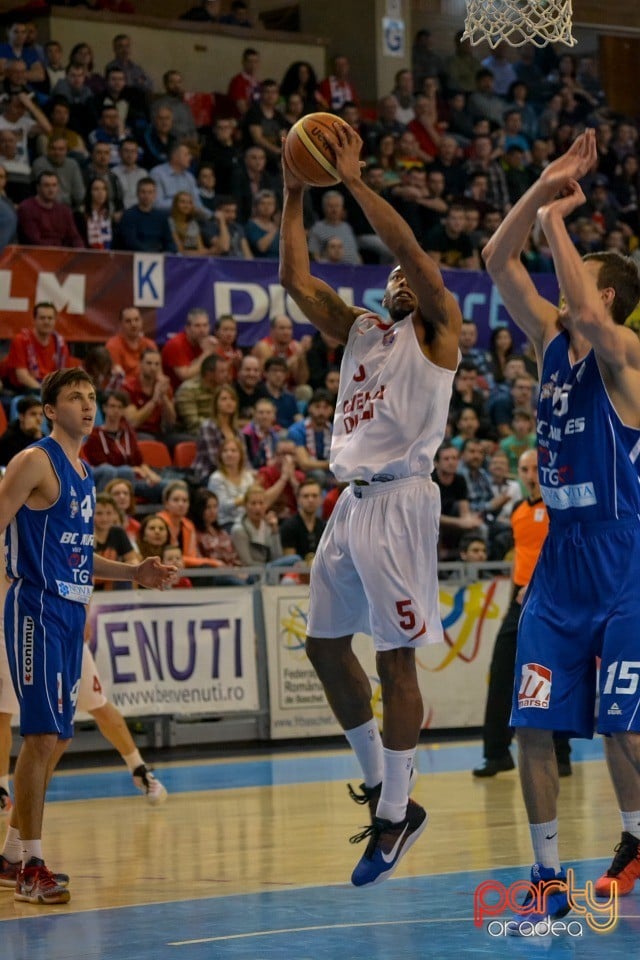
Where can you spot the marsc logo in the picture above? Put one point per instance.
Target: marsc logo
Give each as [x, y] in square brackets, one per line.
[535, 686]
[28, 634]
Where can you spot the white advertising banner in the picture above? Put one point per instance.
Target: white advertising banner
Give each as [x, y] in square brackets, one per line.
[452, 676]
[176, 652]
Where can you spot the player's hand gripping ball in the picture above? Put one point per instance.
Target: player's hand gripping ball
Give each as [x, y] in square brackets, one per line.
[309, 152]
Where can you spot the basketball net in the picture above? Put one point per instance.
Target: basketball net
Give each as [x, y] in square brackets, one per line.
[517, 22]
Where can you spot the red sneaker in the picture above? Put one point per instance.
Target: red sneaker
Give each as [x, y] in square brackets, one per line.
[625, 868]
[36, 884]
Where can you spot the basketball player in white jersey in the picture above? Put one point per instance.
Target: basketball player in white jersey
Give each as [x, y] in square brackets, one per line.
[376, 566]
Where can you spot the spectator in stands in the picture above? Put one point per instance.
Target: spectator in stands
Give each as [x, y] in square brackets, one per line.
[184, 226]
[159, 138]
[321, 354]
[301, 533]
[403, 92]
[24, 430]
[207, 11]
[260, 434]
[425, 61]
[312, 437]
[248, 385]
[471, 467]
[122, 492]
[282, 479]
[175, 499]
[129, 102]
[150, 411]
[500, 349]
[8, 215]
[387, 122]
[333, 224]
[481, 160]
[113, 452]
[470, 350]
[449, 245]
[467, 392]
[42, 221]
[99, 365]
[300, 78]
[332, 251]
[456, 517]
[249, 179]
[154, 536]
[110, 539]
[337, 88]
[503, 403]
[263, 228]
[408, 152]
[35, 352]
[213, 542]
[96, 219]
[175, 176]
[263, 125]
[53, 64]
[222, 425]
[23, 116]
[522, 437]
[174, 98]
[503, 71]
[128, 172]
[501, 483]
[256, 534]
[76, 92]
[220, 149]
[135, 75]
[82, 56]
[385, 157]
[467, 426]
[58, 111]
[71, 188]
[473, 549]
[17, 169]
[143, 227]
[127, 346]
[419, 199]
[225, 330]
[461, 69]
[183, 353]
[280, 343]
[194, 397]
[244, 87]
[484, 101]
[15, 49]
[447, 161]
[223, 235]
[99, 166]
[238, 16]
[275, 374]
[230, 481]
[206, 181]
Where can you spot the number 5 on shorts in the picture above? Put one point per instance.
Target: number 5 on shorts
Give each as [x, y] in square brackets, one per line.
[627, 677]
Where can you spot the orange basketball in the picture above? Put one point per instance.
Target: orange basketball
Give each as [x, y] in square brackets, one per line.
[308, 149]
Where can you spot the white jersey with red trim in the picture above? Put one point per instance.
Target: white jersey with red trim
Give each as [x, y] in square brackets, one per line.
[392, 404]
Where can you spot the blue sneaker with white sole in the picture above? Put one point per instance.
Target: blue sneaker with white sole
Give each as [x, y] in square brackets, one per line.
[388, 843]
[553, 887]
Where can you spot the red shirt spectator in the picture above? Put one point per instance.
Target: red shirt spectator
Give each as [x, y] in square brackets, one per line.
[244, 87]
[127, 346]
[43, 222]
[283, 473]
[33, 353]
[337, 89]
[151, 408]
[183, 354]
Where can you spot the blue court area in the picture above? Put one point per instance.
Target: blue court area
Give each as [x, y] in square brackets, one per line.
[429, 916]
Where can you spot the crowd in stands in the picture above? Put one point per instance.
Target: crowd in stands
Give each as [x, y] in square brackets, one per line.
[102, 160]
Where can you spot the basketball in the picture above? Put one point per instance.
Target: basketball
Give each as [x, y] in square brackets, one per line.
[308, 149]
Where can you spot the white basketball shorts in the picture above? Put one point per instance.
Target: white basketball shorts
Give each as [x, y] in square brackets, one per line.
[90, 695]
[376, 569]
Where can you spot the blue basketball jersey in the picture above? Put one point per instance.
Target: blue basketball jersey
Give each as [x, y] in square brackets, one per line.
[52, 549]
[587, 458]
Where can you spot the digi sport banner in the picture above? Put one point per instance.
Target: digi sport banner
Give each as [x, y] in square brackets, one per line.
[88, 289]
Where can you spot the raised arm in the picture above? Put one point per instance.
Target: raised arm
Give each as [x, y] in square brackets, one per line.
[436, 304]
[320, 304]
[588, 311]
[537, 317]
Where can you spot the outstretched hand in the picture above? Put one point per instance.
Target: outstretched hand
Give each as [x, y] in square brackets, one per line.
[572, 198]
[152, 572]
[580, 158]
[347, 148]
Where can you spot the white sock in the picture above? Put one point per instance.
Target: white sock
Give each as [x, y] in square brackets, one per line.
[31, 848]
[4, 783]
[631, 822]
[366, 743]
[544, 839]
[133, 760]
[395, 784]
[12, 850]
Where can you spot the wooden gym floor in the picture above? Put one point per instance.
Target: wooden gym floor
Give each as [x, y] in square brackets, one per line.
[249, 858]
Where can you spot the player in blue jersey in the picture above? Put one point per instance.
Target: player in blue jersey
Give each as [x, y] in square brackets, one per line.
[47, 499]
[583, 600]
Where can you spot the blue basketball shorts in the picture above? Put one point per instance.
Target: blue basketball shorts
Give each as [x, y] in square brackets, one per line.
[583, 602]
[44, 634]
